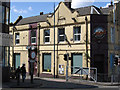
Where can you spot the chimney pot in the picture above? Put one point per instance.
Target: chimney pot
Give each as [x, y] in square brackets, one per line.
[41, 13]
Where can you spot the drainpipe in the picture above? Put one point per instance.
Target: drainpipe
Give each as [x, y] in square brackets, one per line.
[13, 49]
[38, 51]
[86, 41]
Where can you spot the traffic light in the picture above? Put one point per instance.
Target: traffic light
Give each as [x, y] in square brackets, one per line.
[115, 61]
[65, 57]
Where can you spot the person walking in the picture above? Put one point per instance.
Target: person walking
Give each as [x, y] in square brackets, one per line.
[23, 72]
[18, 75]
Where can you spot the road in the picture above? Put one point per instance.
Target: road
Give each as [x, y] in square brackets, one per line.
[55, 84]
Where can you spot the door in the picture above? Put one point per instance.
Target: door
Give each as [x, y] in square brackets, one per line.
[17, 60]
[99, 63]
[76, 61]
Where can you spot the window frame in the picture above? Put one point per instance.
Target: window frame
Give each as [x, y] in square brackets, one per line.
[43, 62]
[17, 38]
[33, 37]
[61, 35]
[47, 36]
[76, 34]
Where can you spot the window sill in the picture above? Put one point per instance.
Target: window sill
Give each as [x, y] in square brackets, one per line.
[61, 42]
[47, 43]
[46, 72]
[76, 41]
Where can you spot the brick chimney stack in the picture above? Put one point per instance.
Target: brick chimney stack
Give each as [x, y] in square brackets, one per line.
[68, 3]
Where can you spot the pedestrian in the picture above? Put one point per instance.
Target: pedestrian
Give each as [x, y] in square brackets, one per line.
[18, 75]
[23, 72]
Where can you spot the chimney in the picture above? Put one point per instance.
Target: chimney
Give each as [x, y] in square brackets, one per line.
[111, 5]
[41, 13]
[68, 3]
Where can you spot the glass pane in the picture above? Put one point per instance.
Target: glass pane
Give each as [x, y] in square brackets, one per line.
[33, 40]
[3, 14]
[47, 62]
[77, 30]
[61, 38]
[17, 60]
[47, 32]
[61, 31]
[7, 15]
[46, 39]
[33, 33]
[17, 41]
[77, 61]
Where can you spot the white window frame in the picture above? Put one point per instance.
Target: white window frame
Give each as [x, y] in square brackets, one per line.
[62, 35]
[76, 34]
[33, 37]
[46, 37]
[17, 38]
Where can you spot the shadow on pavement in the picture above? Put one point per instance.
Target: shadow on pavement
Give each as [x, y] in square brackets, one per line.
[46, 84]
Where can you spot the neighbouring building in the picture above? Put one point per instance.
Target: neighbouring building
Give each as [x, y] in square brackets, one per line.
[5, 39]
[87, 34]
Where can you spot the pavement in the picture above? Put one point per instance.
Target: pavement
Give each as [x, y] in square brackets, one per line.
[45, 83]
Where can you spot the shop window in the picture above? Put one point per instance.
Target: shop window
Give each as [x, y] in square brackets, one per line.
[61, 34]
[47, 36]
[47, 62]
[77, 33]
[33, 37]
[17, 38]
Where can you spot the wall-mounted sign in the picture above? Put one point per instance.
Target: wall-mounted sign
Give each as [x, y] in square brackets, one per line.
[99, 32]
[61, 69]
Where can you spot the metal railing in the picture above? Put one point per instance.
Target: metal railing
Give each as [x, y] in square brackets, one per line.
[81, 71]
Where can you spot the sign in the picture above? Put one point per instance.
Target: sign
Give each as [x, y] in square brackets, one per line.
[61, 69]
[99, 32]
[33, 54]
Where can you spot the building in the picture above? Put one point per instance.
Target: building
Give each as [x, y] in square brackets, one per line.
[87, 34]
[5, 39]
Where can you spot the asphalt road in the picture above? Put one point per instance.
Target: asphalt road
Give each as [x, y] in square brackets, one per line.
[47, 84]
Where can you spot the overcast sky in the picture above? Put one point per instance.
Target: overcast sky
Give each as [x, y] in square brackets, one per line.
[28, 8]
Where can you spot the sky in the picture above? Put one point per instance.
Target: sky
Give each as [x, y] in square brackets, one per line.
[34, 7]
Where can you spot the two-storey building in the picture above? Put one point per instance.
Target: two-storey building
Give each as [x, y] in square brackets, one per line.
[85, 33]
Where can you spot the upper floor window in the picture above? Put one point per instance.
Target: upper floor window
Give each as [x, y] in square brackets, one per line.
[17, 38]
[33, 37]
[112, 35]
[47, 36]
[2, 14]
[61, 34]
[77, 33]
[7, 15]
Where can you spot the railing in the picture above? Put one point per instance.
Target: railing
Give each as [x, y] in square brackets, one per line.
[78, 71]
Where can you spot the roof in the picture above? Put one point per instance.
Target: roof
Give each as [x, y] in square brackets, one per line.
[33, 19]
[106, 10]
[81, 11]
[87, 10]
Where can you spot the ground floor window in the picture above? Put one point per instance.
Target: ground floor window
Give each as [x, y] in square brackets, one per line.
[76, 62]
[16, 60]
[47, 62]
